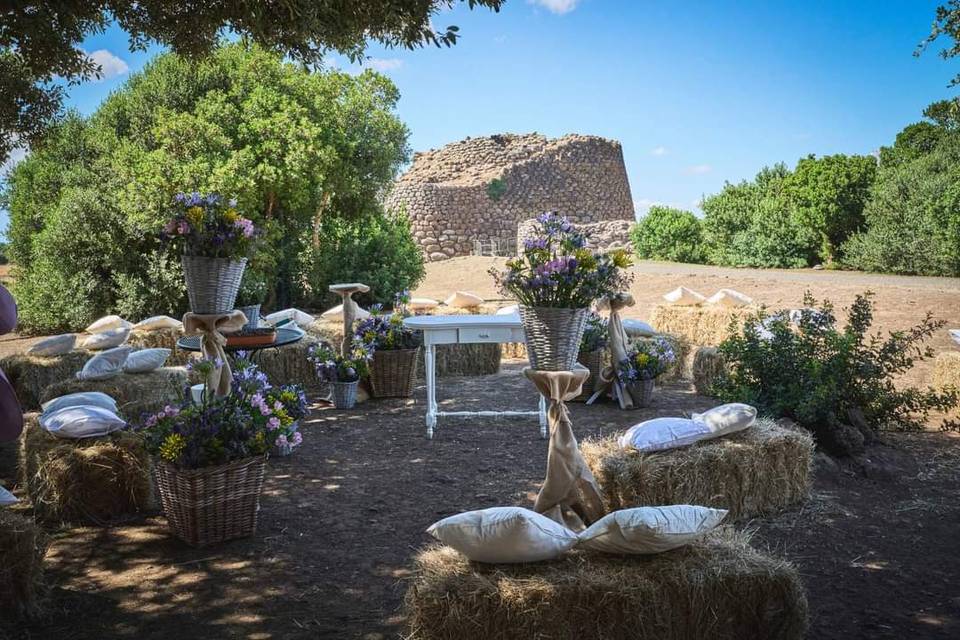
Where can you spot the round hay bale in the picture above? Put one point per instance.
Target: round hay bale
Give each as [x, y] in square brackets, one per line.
[759, 471]
[946, 370]
[163, 339]
[22, 547]
[95, 480]
[708, 366]
[717, 588]
[30, 374]
[700, 325]
[135, 393]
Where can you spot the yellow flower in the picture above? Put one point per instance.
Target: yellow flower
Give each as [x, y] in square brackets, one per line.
[195, 216]
[231, 215]
[621, 259]
[173, 445]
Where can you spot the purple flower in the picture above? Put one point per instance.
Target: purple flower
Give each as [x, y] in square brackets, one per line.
[273, 424]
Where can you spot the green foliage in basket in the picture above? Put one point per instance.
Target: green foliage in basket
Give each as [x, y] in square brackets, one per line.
[595, 333]
[647, 360]
[332, 367]
[557, 269]
[386, 331]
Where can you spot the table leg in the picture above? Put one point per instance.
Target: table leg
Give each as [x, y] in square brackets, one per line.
[430, 373]
[543, 417]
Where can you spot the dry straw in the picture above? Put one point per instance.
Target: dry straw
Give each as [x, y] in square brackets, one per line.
[289, 364]
[135, 393]
[718, 589]
[708, 366]
[464, 360]
[946, 370]
[22, 547]
[163, 339]
[700, 325]
[30, 374]
[94, 480]
[761, 470]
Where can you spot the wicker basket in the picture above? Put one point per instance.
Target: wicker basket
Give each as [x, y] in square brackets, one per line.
[642, 392]
[553, 336]
[393, 373]
[592, 360]
[206, 506]
[252, 311]
[344, 394]
[212, 283]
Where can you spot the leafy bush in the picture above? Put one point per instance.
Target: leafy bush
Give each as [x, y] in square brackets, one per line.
[838, 383]
[377, 249]
[670, 234]
[496, 188]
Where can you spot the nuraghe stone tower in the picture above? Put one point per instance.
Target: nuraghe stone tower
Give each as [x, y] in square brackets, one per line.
[479, 189]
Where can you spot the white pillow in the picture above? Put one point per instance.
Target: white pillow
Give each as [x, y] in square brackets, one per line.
[104, 365]
[730, 299]
[512, 310]
[681, 296]
[661, 434]
[638, 328]
[504, 535]
[646, 530]
[422, 304]
[106, 339]
[337, 312]
[463, 300]
[299, 317]
[107, 323]
[145, 360]
[55, 346]
[955, 334]
[155, 323]
[81, 422]
[83, 398]
[7, 498]
[727, 418]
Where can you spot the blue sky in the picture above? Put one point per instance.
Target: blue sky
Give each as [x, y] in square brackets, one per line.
[697, 92]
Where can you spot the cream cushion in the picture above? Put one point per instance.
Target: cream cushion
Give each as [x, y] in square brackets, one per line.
[512, 310]
[107, 323]
[638, 328]
[727, 418]
[463, 300]
[83, 398]
[504, 535]
[54, 346]
[7, 498]
[955, 334]
[660, 434]
[145, 360]
[105, 339]
[646, 530]
[730, 299]
[156, 323]
[337, 313]
[104, 365]
[301, 318]
[81, 422]
[422, 304]
[681, 296]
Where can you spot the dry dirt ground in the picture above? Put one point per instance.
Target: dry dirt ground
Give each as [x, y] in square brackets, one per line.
[342, 517]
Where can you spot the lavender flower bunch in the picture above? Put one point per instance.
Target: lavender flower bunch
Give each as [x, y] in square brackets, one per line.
[647, 360]
[332, 367]
[595, 333]
[556, 269]
[386, 331]
[208, 226]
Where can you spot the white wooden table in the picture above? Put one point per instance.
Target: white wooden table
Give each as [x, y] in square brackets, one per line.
[467, 330]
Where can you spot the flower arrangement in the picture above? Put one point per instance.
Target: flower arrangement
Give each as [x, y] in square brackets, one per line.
[332, 367]
[207, 226]
[594, 334]
[386, 331]
[646, 360]
[557, 269]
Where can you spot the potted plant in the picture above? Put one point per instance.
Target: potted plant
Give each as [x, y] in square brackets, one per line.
[555, 280]
[216, 242]
[209, 460]
[393, 369]
[250, 295]
[647, 360]
[277, 408]
[593, 345]
[343, 373]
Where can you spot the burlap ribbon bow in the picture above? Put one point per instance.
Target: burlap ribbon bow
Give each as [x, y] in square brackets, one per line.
[210, 327]
[569, 494]
[617, 344]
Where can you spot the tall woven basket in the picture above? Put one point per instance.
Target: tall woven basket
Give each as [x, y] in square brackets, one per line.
[393, 373]
[212, 283]
[206, 506]
[592, 360]
[553, 336]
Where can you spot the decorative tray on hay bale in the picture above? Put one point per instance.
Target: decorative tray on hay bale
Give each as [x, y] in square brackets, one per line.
[761, 470]
[717, 588]
[22, 547]
[258, 337]
[93, 480]
[135, 393]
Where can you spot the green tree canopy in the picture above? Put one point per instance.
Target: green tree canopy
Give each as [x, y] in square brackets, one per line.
[666, 233]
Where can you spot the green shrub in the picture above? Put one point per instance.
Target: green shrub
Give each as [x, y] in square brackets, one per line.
[840, 383]
[377, 250]
[670, 234]
[496, 188]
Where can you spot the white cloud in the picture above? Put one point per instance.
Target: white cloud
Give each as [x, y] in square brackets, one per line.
[383, 64]
[698, 169]
[659, 151]
[558, 7]
[16, 156]
[111, 66]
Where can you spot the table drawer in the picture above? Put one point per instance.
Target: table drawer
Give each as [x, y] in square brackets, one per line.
[485, 334]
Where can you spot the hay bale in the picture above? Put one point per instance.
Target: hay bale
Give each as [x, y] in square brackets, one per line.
[22, 547]
[514, 350]
[946, 370]
[289, 364]
[703, 325]
[479, 359]
[30, 374]
[135, 393]
[761, 470]
[163, 339]
[719, 588]
[8, 461]
[707, 367]
[94, 480]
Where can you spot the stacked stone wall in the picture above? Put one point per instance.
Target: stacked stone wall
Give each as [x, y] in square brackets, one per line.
[601, 236]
